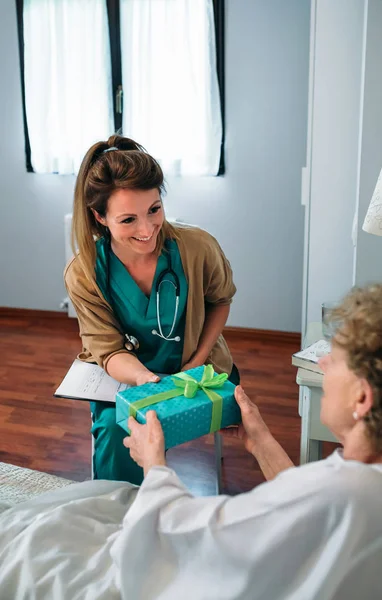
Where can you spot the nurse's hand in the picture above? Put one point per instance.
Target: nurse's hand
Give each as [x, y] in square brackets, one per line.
[146, 376]
[192, 364]
[252, 429]
[146, 442]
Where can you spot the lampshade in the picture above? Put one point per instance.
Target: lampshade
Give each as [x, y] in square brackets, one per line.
[373, 219]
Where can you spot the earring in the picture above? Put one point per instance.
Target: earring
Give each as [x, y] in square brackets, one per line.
[355, 415]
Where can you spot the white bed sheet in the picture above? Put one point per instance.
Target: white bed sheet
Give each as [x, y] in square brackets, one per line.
[60, 536]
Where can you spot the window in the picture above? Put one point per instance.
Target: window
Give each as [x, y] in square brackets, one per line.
[152, 69]
[67, 81]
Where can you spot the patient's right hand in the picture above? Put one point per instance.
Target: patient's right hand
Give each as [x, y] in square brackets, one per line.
[146, 442]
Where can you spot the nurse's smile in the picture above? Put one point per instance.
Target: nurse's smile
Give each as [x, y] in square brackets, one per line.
[143, 239]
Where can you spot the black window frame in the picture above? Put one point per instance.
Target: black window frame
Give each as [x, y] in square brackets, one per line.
[220, 68]
[20, 28]
[113, 12]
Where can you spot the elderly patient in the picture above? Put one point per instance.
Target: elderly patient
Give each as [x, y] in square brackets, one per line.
[311, 532]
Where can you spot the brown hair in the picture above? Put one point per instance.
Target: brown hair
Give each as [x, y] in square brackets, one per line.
[358, 330]
[101, 173]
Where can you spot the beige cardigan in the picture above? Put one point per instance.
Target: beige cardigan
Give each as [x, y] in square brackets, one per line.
[209, 277]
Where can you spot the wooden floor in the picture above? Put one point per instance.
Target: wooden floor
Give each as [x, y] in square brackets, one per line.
[52, 435]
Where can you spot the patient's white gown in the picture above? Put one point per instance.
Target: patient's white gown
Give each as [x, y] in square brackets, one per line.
[313, 533]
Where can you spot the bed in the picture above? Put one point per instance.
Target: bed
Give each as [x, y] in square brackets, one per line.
[56, 535]
[18, 484]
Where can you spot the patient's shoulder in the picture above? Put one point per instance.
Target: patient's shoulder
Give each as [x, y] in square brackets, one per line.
[338, 481]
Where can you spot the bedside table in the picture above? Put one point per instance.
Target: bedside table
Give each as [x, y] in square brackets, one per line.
[313, 432]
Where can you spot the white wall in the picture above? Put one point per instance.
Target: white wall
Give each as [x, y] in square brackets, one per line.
[32, 206]
[254, 210]
[336, 105]
[346, 151]
[368, 263]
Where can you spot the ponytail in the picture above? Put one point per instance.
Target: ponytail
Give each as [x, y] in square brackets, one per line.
[83, 221]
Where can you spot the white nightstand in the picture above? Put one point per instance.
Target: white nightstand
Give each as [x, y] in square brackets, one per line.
[313, 432]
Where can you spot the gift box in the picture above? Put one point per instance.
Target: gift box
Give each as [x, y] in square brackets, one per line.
[188, 404]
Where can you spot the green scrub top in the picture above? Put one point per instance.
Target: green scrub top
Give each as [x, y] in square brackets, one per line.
[137, 313]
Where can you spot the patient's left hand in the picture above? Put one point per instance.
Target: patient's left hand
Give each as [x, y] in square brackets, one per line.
[146, 442]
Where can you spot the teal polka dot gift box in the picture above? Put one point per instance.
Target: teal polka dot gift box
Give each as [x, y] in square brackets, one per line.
[188, 404]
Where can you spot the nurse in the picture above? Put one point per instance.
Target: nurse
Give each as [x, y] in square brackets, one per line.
[150, 297]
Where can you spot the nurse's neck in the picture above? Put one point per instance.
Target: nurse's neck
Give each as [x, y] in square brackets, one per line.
[132, 258]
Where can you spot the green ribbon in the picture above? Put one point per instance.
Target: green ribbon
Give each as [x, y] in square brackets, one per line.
[187, 386]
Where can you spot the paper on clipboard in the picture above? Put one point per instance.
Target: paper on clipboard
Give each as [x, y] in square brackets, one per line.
[86, 381]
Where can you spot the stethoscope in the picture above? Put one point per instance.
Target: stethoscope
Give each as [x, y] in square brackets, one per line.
[131, 341]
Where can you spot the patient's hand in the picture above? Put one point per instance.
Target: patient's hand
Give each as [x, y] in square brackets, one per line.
[252, 428]
[146, 442]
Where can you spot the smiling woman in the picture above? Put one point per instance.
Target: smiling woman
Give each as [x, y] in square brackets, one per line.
[135, 231]
[150, 297]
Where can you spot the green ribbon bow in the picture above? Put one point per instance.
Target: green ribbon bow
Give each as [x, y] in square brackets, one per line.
[187, 386]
